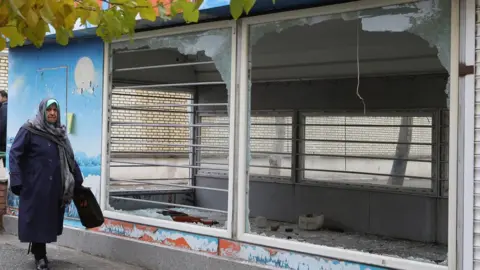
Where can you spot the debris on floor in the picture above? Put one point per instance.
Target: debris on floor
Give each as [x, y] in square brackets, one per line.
[418, 251]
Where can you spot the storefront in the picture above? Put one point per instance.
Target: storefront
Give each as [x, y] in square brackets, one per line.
[315, 138]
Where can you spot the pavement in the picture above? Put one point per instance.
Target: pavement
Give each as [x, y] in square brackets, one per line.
[13, 256]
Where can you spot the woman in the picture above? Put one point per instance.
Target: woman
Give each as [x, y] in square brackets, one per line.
[43, 172]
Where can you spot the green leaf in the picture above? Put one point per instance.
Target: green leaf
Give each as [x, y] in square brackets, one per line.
[129, 20]
[69, 16]
[176, 7]
[3, 43]
[148, 13]
[36, 35]
[62, 36]
[236, 8]
[198, 3]
[18, 3]
[32, 18]
[146, 9]
[248, 5]
[46, 13]
[93, 17]
[11, 32]
[190, 13]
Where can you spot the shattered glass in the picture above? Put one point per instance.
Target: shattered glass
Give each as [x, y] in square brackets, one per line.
[216, 44]
[428, 19]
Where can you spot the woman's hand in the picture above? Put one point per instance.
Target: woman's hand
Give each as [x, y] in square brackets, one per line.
[16, 189]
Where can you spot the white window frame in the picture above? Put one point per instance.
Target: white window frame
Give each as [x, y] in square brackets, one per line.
[466, 170]
[106, 108]
[243, 175]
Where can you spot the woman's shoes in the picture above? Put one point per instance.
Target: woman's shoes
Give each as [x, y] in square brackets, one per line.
[42, 264]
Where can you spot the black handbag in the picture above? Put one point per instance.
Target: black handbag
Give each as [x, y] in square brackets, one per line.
[88, 209]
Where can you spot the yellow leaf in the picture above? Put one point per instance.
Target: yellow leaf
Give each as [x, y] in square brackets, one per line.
[83, 15]
[146, 10]
[148, 13]
[15, 9]
[3, 43]
[30, 3]
[62, 36]
[88, 11]
[47, 13]
[18, 3]
[32, 18]
[12, 33]
[40, 30]
[236, 8]
[69, 16]
[3, 14]
[94, 17]
[121, 2]
[37, 34]
[54, 5]
[190, 13]
[248, 5]
[198, 3]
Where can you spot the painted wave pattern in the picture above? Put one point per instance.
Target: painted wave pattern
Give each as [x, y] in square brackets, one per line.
[12, 200]
[285, 259]
[162, 236]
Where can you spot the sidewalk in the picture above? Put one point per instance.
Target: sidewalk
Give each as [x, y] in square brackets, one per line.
[13, 256]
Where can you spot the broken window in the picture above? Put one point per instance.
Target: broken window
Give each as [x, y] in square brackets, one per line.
[157, 123]
[368, 92]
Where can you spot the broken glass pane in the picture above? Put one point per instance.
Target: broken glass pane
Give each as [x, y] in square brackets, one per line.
[428, 19]
[282, 58]
[216, 44]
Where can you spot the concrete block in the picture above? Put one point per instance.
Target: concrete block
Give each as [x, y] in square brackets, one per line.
[311, 222]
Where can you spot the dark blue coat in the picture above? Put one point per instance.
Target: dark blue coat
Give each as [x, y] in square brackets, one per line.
[3, 126]
[34, 164]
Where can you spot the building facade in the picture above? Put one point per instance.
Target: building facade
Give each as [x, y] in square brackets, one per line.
[304, 136]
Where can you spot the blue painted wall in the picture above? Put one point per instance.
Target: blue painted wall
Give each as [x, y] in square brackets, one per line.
[73, 75]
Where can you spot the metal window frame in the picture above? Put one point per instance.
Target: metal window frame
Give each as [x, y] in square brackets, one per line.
[380, 113]
[259, 177]
[106, 119]
[243, 175]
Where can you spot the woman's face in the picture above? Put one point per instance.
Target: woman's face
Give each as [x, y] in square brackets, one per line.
[52, 114]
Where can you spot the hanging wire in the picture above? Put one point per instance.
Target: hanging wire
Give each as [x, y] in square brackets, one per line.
[358, 69]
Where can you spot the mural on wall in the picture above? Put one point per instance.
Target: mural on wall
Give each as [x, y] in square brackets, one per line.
[227, 248]
[193, 242]
[74, 76]
[284, 259]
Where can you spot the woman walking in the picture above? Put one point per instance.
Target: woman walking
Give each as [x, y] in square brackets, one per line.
[44, 173]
